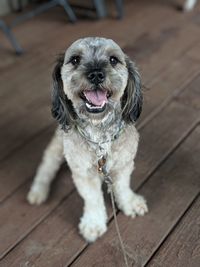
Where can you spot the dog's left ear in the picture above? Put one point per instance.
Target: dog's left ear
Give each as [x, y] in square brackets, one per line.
[132, 98]
[62, 108]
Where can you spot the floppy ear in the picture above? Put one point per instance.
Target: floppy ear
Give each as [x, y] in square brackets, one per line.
[62, 108]
[132, 98]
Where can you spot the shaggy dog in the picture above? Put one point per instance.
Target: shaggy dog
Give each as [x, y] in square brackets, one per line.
[96, 99]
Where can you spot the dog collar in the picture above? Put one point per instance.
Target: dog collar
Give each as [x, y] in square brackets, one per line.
[115, 136]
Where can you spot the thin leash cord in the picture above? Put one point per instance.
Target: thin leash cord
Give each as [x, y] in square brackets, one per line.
[110, 190]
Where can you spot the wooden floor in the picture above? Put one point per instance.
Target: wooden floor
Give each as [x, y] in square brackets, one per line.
[165, 43]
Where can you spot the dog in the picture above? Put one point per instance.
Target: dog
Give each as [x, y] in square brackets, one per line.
[96, 99]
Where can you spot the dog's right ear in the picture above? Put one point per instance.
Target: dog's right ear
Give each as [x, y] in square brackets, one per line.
[62, 108]
[132, 98]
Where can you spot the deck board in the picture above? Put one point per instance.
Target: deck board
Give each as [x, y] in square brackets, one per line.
[182, 247]
[165, 45]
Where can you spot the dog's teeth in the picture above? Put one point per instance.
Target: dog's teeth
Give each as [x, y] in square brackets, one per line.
[92, 108]
[103, 104]
[88, 105]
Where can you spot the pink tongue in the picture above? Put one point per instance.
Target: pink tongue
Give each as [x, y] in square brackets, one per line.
[96, 97]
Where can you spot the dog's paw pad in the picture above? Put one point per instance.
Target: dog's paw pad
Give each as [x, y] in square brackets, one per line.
[91, 230]
[37, 196]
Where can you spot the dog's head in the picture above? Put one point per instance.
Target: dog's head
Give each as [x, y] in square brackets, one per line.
[93, 78]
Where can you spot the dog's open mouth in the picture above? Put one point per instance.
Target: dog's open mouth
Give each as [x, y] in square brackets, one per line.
[95, 100]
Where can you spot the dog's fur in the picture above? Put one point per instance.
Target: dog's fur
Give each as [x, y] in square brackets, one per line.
[84, 136]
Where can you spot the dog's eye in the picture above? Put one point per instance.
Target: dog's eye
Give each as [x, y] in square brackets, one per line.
[75, 60]
[114, 61]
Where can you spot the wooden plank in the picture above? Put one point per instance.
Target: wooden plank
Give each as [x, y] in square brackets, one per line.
[22, 130]
[181, 249]
[150, 154]
[191, 97]
[161, 56]
[49, 245]
[18, 218]
[193, 53]
[167, 85]
[169, 192]
[159, 137]
[22, 164]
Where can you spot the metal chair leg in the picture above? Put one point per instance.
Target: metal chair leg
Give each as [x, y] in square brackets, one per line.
[100, 8]
[17, 7]
[7, 31]
[120, 9]
[68, 10]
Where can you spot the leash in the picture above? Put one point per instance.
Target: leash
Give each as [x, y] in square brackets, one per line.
[109, 182]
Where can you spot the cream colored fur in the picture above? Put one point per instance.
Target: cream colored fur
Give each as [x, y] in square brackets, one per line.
[82, 157]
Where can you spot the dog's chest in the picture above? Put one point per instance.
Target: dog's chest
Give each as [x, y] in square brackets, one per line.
[83, 155]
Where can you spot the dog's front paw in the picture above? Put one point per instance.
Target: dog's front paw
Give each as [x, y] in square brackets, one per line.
[135, 205]
[38, 194]
[92, 227]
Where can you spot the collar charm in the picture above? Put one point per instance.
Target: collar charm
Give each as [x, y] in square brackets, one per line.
[102, 165]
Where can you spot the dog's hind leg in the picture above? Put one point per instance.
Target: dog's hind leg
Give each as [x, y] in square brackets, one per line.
[52, 159]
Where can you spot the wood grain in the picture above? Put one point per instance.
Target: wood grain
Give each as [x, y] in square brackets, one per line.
[22, 163]
[182, 247]
[16, 224]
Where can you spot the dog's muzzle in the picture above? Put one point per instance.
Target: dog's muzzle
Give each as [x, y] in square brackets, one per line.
[95, 98]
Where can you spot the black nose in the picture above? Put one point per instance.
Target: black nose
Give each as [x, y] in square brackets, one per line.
[96, 76]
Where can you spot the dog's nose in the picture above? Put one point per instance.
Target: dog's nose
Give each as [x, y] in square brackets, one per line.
[96, 76]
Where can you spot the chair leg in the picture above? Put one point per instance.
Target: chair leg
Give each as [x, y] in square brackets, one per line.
[18, 7]
[100, 8]
[68, 10]
[120, 9]
[11, 37]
